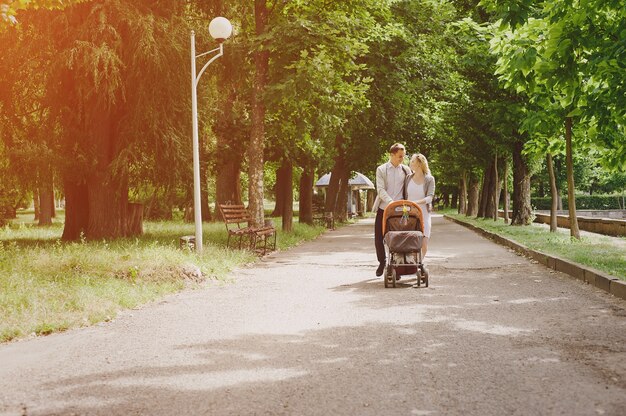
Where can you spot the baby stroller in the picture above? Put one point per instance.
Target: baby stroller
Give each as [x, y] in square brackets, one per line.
[403, 231]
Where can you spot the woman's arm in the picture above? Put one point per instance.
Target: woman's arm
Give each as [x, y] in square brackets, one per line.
[430, 191]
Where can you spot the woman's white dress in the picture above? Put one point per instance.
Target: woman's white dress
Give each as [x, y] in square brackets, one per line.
[414, 193]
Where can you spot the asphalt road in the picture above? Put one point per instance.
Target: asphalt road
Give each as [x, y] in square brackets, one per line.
[312, 331]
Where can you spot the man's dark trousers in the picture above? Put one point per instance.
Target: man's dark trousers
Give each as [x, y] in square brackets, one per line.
[378, 236]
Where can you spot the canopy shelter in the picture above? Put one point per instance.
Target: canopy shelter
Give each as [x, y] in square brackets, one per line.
[357, 182]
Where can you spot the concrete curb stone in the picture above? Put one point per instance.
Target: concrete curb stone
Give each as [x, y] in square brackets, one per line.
[618, 288]
[596, 278]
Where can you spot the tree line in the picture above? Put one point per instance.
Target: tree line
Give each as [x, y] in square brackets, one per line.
[95, 101]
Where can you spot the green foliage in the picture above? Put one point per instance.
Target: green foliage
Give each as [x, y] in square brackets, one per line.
[316, 80]
[362, 73]
[589, 175]
[567, 58]
[512, 12]
[9, 9]
[68, 68]
[414, 83]
[583, 202]
[481, 119]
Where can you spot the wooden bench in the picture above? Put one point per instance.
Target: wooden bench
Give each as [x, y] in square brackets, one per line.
[320, 217]
[238, 224]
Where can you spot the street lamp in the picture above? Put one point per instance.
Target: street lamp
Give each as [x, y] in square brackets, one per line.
[220, 29]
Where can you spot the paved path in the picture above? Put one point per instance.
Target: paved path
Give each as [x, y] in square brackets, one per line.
[312, 332]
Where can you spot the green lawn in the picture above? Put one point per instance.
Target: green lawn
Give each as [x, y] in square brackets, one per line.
[601, 252]
[47, 285]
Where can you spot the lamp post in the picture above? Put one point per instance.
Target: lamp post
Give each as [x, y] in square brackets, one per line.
[220, 29]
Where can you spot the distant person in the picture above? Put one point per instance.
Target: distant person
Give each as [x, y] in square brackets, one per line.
[390, 179]
[420, 188]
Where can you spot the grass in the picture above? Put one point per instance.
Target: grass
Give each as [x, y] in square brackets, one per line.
[48, 286]
[604, 253]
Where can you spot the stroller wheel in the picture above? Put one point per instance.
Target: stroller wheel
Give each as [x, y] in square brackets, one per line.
[393, 277]
[387, 276]
[426, 276]
[420, 275]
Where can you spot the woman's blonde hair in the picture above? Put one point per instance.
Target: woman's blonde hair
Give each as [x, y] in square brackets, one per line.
[423, 162]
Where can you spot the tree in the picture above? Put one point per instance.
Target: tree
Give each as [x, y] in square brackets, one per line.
[29, 133]
[560, 54]
[10, 9]
[316, 83]
[257, 132]
[479, 128]
[104, 120]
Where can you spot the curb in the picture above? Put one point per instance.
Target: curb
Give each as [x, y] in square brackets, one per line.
[594, 277]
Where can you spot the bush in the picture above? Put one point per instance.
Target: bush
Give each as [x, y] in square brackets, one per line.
[583, 202]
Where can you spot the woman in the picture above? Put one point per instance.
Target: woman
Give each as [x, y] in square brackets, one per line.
[420, 188]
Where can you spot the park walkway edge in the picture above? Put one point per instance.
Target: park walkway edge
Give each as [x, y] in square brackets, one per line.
[601, 280]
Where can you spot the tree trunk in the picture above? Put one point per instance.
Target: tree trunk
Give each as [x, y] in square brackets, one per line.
[36, 201]
[257, 134]
[472, 198]
[76, 210]
[496, 188]
[505, 190]
[52, 200]
[280, 190]
[332, 192]
[169, 194]
[4, 215]
[188, 213]
[227, 169]
[134, 225]
[369, 199]
[481, 196]
[107, 185]
[305, 196]
[486, 200]
[108, 202]
[205, 209]
[554, 193]
[341, 209]
[359, 203]
[463, 193]
[287, 200]
[45, 203]
[227, 182]
[46, 194]
[571, 197]
[521, 188]
[557, 168]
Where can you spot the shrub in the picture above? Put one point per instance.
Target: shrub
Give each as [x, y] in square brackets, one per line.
[583, 202]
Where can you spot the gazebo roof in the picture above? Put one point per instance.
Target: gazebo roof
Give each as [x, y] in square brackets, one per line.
[358, 181]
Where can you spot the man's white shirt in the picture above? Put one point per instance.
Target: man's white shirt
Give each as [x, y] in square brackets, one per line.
[395, 183]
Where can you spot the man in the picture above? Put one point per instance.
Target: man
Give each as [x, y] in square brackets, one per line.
[390, 187]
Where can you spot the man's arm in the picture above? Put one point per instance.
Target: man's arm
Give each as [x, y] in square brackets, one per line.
[381, 185]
